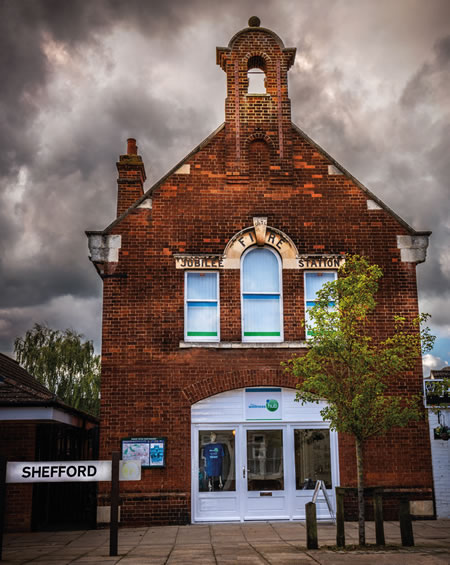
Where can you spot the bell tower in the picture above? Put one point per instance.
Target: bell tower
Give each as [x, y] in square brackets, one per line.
[257, 107]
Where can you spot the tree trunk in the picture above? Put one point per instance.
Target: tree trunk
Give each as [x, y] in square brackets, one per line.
[360, 473]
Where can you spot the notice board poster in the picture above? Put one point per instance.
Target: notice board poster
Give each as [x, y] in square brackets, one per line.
[150, 450]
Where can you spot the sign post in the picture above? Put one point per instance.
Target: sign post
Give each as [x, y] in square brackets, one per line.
[114, 521]
[2, 500]
[71, 471]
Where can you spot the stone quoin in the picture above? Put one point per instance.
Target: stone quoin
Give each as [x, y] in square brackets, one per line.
[207, 278]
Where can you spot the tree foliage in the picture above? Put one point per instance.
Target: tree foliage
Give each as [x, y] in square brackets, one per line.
[353, 369]
[64, 363]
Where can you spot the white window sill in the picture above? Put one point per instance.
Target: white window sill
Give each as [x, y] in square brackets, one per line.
[244, 345]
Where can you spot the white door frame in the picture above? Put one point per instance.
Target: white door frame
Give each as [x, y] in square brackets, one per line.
[236, 501]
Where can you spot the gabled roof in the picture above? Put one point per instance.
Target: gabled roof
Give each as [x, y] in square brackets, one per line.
[210, 137]
[17, 385]
[20, 389]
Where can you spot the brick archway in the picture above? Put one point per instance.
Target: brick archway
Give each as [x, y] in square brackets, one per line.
[238, 379]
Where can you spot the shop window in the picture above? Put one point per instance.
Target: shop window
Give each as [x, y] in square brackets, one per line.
[202, 306]
[312, 458]
[313, 283]
[261, 296]
[216, 460]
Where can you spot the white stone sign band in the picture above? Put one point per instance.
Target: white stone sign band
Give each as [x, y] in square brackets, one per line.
[70, 471]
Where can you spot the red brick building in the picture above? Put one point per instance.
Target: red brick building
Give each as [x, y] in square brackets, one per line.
[207, 277]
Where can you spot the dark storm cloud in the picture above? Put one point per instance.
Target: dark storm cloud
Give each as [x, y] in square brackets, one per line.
[25, 66]
[79, 77]
[57, 171]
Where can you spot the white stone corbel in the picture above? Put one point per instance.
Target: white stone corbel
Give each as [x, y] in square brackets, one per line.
[372, 205]
[147, 203]
[104, 248]
[413, 248]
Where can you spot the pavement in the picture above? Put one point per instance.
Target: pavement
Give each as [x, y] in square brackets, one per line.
[262, 543]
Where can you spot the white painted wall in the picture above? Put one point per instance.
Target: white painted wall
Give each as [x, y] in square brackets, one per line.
[440, 452]
[229, 407]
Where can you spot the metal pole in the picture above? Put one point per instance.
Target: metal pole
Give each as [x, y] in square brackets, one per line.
[114, 522]
[340, 524]
[2, 500]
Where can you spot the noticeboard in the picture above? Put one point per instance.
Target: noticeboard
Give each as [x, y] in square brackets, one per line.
[150, 450]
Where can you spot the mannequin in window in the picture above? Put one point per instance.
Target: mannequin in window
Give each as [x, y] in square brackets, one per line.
[213, 454]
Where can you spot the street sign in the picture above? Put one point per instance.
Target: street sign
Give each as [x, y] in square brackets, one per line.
[70, 471]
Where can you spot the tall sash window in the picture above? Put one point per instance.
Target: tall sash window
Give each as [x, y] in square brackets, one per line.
[261, 296]
[313, 283]
[202, 306]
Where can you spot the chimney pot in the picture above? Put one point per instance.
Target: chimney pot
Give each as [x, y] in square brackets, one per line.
[131, 146]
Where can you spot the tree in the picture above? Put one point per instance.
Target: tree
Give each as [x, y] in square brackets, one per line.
[351, 369]
[64, 363]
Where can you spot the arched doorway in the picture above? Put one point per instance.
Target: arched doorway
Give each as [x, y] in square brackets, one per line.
[256, 455]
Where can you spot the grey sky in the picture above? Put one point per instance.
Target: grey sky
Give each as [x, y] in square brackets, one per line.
[371, 85]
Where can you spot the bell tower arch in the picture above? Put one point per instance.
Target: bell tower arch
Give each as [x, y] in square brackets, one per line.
[264, 109]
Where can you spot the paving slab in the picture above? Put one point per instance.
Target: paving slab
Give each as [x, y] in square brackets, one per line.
[228, 544]
[380, 559]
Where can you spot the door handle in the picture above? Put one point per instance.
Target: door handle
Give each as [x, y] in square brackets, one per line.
[243, 472]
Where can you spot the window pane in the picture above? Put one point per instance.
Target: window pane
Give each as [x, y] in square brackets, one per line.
[216, 460]
[312, 458]
[256, 82]
[202, 319]
[314, 282]
[261, 272]
[265, 460]
[309, 324]
[261, 315]
[201, 286]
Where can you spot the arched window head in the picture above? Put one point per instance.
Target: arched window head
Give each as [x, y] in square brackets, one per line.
[256, 75]
[261, 295]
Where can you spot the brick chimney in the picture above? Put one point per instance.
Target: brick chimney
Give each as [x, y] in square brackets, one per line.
[131, 177]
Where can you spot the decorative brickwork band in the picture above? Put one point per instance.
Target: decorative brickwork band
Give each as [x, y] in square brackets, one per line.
[280, 111]
[236, 109]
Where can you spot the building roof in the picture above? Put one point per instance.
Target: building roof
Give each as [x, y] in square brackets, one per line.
[19, 389]
[149, 192]
[443, 373]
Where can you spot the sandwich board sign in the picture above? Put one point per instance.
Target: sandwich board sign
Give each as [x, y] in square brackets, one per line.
[320, 485]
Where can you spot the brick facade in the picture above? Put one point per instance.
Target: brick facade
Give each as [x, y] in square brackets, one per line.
[258, 164]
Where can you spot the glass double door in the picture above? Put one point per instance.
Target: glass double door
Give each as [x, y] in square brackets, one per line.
[258, 471]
